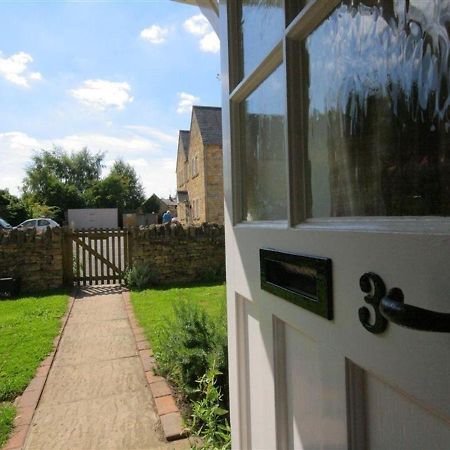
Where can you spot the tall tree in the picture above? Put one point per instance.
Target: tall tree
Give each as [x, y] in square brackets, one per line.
[56, 178]
[108, 193]
[12, 209]
[134, 191]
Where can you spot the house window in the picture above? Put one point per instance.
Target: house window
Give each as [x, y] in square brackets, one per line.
[194, 168]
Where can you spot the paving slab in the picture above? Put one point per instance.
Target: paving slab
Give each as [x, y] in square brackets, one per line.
[88, 381]
[124, 421]
[96, 395]
[102, 348]
[85, 330]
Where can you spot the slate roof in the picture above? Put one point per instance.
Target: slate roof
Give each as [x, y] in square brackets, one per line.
[185, 137]
[169, 201]
[209, 119]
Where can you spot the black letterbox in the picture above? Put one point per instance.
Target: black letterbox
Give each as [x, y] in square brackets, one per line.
[301, 279]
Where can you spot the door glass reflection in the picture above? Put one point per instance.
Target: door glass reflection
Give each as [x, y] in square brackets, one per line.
[261, 27]
[376, 75]
[263, 151]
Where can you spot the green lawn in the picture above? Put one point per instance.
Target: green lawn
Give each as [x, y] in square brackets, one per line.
[27, 328]
[153, 306]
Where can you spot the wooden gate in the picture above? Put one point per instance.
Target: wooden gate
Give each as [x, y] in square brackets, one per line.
[98, 256]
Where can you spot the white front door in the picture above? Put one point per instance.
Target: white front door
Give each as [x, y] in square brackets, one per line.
[337, 190]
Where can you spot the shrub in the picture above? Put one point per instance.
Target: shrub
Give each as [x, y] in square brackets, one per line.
[188, 342]
[209, 418]
[140, 277]
[193, 355]
[211, 274]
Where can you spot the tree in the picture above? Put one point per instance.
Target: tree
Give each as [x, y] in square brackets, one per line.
[134, 192]
[62, 180]
[58, 179]
[110, 192]
[12, 209]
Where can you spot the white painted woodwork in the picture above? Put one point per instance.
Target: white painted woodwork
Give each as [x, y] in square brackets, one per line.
[299, 381]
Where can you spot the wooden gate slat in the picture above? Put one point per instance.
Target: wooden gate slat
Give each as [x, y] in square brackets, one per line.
[77, 261]
[102, 273]
[84, 264]
[95, 241]
[100, 255]
[108, 280]
[113, 237]
[125, 250]
[119, 248]
[89, 241]
[97, 255]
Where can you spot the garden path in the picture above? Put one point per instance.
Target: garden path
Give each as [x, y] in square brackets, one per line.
[96, 395]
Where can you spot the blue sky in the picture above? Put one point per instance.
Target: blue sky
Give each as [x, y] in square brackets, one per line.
[119, 77]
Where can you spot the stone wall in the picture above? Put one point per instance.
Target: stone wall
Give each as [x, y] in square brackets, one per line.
[214, 184]
[196, 182]
[178, 254]
[37, 258]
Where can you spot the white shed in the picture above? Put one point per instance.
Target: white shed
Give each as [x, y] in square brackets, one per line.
[93, 218]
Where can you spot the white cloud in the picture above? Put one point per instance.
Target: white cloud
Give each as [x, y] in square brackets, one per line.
[145, 148]
[16, 149]
[155, 34]
[154, 132]
[35, 76]
[199, 26]
[15, 69]
[186, 101]
[210, 43]
[103, 94]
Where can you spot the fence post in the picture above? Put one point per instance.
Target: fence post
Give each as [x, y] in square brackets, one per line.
[67, 245]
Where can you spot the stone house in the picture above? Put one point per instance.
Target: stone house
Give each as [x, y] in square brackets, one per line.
[199, 168]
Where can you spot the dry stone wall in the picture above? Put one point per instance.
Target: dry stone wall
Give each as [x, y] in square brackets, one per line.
[37, 258]
[175, 254]
[180, 255]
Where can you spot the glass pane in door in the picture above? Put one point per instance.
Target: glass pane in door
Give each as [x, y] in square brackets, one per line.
[261, 27]
[263, 151]
[375, 75]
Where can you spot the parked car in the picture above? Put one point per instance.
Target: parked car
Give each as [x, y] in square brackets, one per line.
[41, 223]
[4, 225]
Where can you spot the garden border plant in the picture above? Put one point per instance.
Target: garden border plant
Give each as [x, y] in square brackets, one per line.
[190, 347]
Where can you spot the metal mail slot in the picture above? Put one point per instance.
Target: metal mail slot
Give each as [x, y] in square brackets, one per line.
[300, 279]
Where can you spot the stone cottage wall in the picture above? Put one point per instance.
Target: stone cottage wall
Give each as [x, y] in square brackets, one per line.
[196, 183]
[214, 184]
[180, 255]
[36, 257]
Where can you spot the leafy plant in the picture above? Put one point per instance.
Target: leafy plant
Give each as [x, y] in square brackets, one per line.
[212, 273]
[140, 276]
[209, 418]
[186, 344]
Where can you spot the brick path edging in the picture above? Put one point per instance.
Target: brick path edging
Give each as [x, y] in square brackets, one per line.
[169, 414]
[27, 403]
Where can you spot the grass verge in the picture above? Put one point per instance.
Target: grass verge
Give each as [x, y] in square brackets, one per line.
[28, 326]
[7, 413]
[154, 307]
